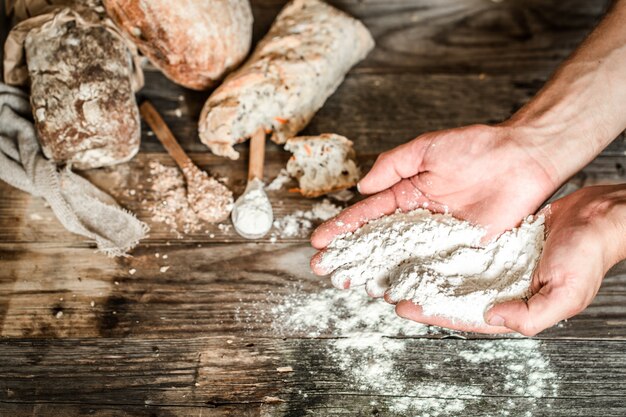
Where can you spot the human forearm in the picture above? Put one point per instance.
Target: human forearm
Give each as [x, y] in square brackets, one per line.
[582, 108]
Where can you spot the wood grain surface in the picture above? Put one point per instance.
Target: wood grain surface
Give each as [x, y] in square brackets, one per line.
[83, 334]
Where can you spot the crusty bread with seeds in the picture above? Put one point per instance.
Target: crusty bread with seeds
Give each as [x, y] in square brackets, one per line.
[293, 70]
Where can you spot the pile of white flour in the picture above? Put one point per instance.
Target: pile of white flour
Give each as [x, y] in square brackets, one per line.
[438, 262]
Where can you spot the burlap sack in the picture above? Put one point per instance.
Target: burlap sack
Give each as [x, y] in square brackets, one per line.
[20, 10]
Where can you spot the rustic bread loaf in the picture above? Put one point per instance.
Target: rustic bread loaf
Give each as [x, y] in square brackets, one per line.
[322, 164]
[194, 42]
[81, 94]
[294, 69]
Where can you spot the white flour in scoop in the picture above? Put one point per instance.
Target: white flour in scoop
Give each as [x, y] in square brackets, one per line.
[438, 262]
[252, 214]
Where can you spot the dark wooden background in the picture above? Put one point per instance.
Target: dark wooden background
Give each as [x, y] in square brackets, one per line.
[156, 343]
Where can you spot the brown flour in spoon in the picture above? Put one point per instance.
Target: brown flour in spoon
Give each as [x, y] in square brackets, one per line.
[183, 208]
[209, 198]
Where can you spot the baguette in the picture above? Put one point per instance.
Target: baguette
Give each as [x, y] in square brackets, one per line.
[294, 69]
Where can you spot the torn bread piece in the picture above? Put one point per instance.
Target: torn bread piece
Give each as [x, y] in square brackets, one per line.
[322, 164]
[293, 70]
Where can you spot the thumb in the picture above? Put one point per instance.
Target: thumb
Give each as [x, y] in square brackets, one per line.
[544, 309]
[394, 165]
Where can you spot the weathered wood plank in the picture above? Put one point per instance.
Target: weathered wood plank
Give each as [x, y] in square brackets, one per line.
[464, 36]
[377, 111]
[27, 219]
[516, 43]
[44, 409]
[539, 377]
[218, 289]
[24, 218]
[495, 54]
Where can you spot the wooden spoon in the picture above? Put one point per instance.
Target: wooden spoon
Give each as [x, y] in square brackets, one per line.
[209, 198]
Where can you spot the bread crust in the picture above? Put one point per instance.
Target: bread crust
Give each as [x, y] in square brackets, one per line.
[293, 70]
[81, 94]
[193, 42]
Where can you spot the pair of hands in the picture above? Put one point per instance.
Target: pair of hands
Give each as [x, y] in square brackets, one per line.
[489, 176]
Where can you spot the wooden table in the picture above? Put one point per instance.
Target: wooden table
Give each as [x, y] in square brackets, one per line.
[174, 343]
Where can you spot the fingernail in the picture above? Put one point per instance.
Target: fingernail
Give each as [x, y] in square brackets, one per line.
[358, 187]
[496, 320]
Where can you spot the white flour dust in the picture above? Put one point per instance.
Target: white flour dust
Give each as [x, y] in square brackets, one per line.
[340, 313]
[300, 223]
[277, 183]
[438, 262]
[378, 353]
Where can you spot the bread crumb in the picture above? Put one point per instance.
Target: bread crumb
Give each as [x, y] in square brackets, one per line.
[132, 271]
[272, 400]
[93, 303]
[283, 369]
[300, 223]
[277, 183]
[59, 314]
[164, 268]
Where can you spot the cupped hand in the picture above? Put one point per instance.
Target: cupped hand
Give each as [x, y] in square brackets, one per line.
[585, 238]
[484, 174]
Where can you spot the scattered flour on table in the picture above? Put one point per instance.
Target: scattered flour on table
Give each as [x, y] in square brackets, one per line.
[438, 262]
[340, 313]
[277, 183]
[369, 345]
[300, 223]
